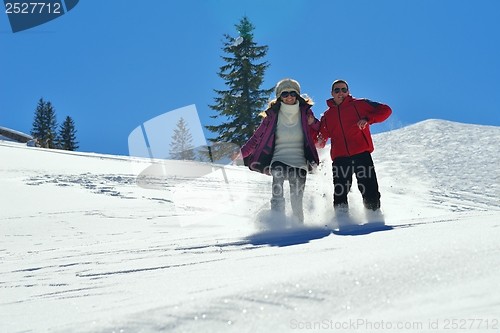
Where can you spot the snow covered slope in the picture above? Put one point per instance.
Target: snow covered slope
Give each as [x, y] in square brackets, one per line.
[83, 248]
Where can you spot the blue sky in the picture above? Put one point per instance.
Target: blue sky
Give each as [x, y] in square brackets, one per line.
[113, 65]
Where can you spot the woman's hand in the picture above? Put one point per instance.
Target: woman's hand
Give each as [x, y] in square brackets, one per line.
[235, 156]
[310, 119]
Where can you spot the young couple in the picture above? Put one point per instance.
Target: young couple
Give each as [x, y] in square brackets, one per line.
[284, 145]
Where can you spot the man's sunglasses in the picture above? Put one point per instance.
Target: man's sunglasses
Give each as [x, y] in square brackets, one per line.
[285, 94]
[337, 90]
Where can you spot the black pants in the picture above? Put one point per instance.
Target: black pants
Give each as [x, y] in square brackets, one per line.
[297, 179]
[362, 166]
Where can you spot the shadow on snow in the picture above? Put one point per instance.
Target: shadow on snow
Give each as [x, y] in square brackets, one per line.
[302, 235]
[287, 237]
[361, 229]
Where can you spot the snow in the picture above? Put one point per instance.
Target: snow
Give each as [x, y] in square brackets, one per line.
[83, 248]
[6, 132]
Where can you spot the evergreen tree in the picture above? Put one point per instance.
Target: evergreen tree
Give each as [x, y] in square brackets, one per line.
[39, 130]
[181, 147]
[241, 104]
[45, 124]
[51, 121]
[67, 135]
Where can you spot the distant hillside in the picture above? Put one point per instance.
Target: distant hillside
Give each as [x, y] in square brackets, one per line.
[452, 159]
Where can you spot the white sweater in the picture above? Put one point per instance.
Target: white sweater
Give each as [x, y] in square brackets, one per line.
[289, 141]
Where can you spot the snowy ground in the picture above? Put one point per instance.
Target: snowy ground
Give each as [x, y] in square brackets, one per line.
[83, 248]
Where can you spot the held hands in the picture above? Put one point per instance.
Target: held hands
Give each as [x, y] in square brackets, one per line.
[320, 141]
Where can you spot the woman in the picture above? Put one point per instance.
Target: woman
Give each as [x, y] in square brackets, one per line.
[282, 145]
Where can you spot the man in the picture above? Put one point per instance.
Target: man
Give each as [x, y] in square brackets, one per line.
[347, 124]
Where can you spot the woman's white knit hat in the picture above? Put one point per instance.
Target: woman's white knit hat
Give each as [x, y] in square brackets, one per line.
[287, 85]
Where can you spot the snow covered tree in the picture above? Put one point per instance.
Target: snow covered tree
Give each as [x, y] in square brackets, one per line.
[45, 124]
[181, 147]
[241, 103]
[67, 135]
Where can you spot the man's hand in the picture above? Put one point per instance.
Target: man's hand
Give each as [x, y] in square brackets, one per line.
[362, 123]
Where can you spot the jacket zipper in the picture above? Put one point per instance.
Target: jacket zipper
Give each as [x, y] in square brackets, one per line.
[307, 144]
[342, 128]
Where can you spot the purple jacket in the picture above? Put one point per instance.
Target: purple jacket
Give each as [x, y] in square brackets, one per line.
[258, 152]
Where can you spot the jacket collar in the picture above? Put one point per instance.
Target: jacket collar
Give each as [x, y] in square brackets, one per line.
[331, 103]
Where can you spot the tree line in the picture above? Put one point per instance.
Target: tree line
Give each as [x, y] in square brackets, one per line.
[46, 131]
[238, 107]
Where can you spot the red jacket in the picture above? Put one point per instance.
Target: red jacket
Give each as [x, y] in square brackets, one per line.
[339, 123]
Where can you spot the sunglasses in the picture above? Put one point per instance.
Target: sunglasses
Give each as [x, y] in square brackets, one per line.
[337, 90]
[285, 94]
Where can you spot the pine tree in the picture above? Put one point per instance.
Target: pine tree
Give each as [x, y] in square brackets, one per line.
[39, 131]
[67, 135]
[51, 121]
[45, 124]
[241, 104]
[181, 147]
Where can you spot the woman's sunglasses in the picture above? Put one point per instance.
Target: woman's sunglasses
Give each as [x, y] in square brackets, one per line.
[285, 94]
[337, 90]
